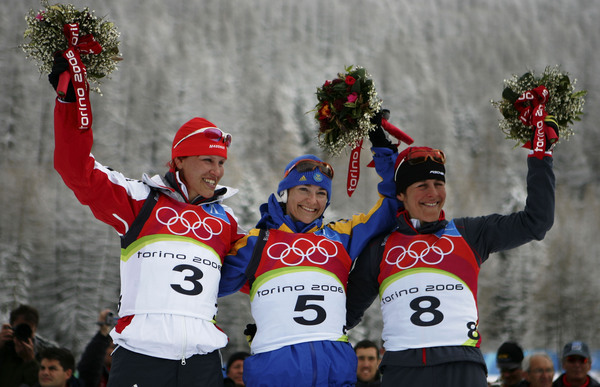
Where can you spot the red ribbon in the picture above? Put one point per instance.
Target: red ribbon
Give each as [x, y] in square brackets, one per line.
[354, 169]
[396, 132]
[354, 166]
[77, 72]
[531, 106]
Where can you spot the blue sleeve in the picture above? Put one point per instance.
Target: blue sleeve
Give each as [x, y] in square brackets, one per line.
[385, 160]
[233, 272]
[359, 230]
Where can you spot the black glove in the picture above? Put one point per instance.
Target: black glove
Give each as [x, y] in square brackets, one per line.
[60, 66]
[551, 122]
[249, 332]
[551, 133]
[378, 137]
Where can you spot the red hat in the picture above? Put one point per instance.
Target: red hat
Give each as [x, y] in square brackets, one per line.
[198, 137]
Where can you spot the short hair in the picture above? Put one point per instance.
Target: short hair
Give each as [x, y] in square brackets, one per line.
[235, 357]
[366, 344]
[527, 360]
[63, 355]
[29, 313]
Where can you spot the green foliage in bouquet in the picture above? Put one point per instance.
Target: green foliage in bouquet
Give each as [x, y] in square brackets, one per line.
[345, 108]
[44, 37]
[564, 102]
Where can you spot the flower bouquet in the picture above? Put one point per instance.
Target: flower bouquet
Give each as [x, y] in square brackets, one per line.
[46, 35]
[345, 108]
[344, 112]
[553, 88]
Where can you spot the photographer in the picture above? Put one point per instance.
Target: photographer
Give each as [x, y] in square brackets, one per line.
[18, 365]
[94, 364]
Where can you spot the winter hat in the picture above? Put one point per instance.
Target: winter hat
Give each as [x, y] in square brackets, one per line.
[198, 137]
[509, 356]
[293, 177]
[576, 348]
[412, 166]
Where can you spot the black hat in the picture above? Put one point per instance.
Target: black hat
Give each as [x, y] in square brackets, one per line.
[577, 348]
[510, 355]
[410, 171]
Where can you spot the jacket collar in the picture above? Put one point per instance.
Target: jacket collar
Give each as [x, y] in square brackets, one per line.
[170, 187]
[273, 217]
[405, 226]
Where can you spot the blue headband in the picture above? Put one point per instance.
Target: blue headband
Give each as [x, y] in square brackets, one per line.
[314, 177]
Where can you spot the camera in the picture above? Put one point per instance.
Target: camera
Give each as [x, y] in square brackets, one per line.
[110, 320]
[22, 332]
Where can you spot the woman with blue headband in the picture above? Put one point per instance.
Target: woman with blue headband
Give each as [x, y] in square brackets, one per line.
[298, 272]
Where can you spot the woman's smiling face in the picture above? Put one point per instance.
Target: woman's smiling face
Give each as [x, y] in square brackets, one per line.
[306, 203]
[424, 199]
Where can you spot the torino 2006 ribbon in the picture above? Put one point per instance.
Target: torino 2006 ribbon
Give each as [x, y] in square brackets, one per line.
[77, 72]
[354, 165]
[531, 106]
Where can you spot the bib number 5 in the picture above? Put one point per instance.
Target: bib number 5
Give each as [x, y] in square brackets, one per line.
[303, 304]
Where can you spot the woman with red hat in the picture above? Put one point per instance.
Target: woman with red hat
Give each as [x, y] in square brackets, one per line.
[298, 272]
[425, 272]
[175, 233]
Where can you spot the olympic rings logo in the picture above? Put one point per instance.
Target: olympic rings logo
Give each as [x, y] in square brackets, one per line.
[189, 221]
[420, 251]
[303, 248]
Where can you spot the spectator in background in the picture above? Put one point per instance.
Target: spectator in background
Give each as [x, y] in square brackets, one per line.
[19, 347]
[94, 364]
[367, 371]
[577, 362]
[508, 360]
[29, 315]
[235, 370]
[538, 370]
[56, 368]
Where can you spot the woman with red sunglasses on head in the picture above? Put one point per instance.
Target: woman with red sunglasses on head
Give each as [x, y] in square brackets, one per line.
[175, 233]
[298, 272]
[425, 272]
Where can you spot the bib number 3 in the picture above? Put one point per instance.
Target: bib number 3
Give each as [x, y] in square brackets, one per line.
[193, 279]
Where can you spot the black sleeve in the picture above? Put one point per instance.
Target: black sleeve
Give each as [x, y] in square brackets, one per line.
[91, 362]
[363, 286]
[492, 233]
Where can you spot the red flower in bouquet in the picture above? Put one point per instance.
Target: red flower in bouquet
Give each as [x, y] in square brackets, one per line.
[324, 112]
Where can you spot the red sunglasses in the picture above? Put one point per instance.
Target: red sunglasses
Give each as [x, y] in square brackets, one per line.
[217, 135]
[306, 165]
[214, 134]
[418, 156]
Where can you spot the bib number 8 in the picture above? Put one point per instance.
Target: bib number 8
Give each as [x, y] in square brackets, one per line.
[426, 307]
